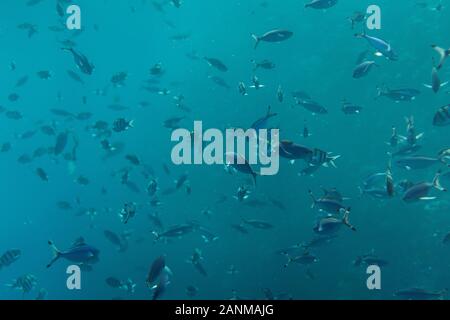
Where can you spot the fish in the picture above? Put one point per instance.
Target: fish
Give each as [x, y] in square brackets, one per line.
[321, 4]
[79, 252]
[175, 231]
[327, 204]
[42, 174]
[9, 257]
[303, 259]
[416, 293]
[263, 64]
[350, 108]
[383, 48]
[312, 106]
[436, 84]
[331, 225]
[216, 63]
[258, 224]
[25, 283]
[81, 61]
[118, 241]
[239, 163]
[398, 95]
[157, 267]
[418, 162]
[363, 69]
[442, 116]
[420, 191]
[277, 35]
[61, 142]
[261, 123]
[122, 124]
[74, 76]
[443, 55]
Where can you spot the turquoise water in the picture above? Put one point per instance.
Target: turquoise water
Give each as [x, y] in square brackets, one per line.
[132, 36]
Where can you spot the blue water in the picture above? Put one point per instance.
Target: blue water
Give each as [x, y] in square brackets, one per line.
[131, 36]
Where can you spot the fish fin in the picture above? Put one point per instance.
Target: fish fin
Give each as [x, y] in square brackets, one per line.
[257, 40]
[56, 254]
[436, 182]
[427, 198]
[254, 174]
[428, 86]
[345, 219]
[444, 84]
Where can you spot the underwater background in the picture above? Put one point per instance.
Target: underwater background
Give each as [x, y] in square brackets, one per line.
[84, 194]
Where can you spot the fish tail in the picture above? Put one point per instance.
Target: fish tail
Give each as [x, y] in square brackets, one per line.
[288, 261]
[257, 40]
[56, 254]
[313, 198]
[254, 175]
[436, 182]
[346, 221]
[156, 234]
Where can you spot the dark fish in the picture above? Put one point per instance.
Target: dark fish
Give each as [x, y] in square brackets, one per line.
[420, 294]
[350, 108]
[156, 269]
[399, 94]
[261, 123]
[14, 115]
[312, 106]
[363, 69]
[258, 224]
[79, 252]
[331, 205]
[9, 257]
[220, 82]
[25, 283]
[290, 150]
[74, 76]
[42, 174]
[239, 163]
[442, 117]
[216, 63]
[264, 64]
[175, 232]
[61, 113]
[121, 124]
[321, 4]
[273, 36]
[113, 282]
[61, 142]
[81, 61]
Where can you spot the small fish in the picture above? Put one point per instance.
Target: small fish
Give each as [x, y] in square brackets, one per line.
[321, 4]
[81, 61]
[363, 69]
[121, 124]
[442, 117]
[42, 174]
[258, 224]
[312, 106]
[9, 257]
[420, 294]
[277, 35]
[216, 63]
